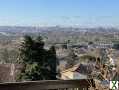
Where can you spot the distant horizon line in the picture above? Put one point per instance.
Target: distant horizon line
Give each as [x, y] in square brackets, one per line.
[69, 26]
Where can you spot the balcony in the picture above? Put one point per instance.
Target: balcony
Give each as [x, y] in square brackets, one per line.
[84, 84]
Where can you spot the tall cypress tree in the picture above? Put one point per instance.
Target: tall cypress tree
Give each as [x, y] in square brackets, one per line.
[52, 62]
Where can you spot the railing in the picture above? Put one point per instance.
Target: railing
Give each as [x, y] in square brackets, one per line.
[48, 85]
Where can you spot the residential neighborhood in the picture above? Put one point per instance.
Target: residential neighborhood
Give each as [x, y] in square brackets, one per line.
[59, 45]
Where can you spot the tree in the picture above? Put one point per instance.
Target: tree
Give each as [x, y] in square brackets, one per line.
[116, 46]
[39, 64]
[72, 59]
[26, 51]
[52, 62]
[90, 43]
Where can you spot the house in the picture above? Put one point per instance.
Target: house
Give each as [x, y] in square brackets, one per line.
[77, 72]
[8, 72]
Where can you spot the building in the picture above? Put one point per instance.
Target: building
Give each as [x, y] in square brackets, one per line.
[77, 72]
[8, 72]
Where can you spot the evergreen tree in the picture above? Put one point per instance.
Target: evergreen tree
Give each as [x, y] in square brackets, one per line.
[52, 61]
[26, 50]
[39, 64]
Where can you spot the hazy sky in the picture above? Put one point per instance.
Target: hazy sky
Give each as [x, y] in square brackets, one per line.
[60, 12]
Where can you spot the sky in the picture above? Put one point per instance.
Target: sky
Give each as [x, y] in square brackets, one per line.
[59, 12]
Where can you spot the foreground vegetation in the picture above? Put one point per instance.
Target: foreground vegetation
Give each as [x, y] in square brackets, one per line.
[39, 63]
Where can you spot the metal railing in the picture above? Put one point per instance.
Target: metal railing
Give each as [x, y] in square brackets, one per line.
[84, 84]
